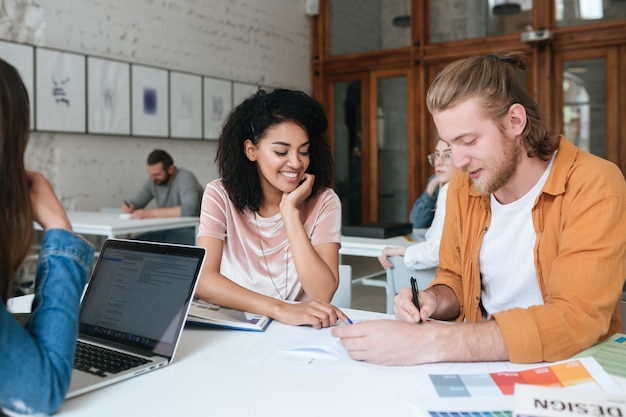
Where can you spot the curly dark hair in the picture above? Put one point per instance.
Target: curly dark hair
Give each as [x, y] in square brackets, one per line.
[251, 120]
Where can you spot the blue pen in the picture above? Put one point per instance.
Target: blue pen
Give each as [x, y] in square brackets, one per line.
[415, 299]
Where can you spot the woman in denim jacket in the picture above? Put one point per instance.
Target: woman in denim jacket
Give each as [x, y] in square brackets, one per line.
[35, 358]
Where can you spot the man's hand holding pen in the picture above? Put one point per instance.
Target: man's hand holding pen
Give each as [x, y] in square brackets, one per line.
[127, 207]
[412, 344]
[416, 301]
[414, 306]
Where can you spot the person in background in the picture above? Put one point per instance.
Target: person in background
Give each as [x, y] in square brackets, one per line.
[423, 211]
[424, 255]
[271, 224]
[177, 193]
[35, 358]
[533, 251]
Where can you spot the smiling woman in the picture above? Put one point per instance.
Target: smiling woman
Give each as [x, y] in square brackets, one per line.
[271, 224]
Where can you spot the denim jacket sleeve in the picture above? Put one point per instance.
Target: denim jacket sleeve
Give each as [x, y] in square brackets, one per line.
[36, 359]
[423, 210]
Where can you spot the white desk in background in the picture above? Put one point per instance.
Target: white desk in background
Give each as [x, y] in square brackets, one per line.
[110, 224]
[219, 373]
[371, 248]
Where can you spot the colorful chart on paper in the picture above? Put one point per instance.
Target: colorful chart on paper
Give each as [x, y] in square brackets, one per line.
[563, 374]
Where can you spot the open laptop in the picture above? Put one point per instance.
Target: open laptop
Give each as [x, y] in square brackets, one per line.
[135, 306]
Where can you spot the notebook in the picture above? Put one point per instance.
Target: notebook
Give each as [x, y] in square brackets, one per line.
[135, 305]
[202, 313]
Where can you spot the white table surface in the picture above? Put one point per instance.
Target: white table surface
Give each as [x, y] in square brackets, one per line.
[216, 373]
[111, 225]
[372, 247]
[219, 373]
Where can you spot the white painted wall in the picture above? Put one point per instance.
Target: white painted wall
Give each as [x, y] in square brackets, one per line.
[264, 42]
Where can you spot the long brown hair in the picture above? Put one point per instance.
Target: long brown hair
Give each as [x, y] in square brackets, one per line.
[495, 79]
[16, 216]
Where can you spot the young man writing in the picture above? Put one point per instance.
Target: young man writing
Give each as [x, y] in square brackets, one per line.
[532, 256]
[177, 193]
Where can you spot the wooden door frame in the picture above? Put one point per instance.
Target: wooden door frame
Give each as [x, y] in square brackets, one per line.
[369, 129]
[372, 148]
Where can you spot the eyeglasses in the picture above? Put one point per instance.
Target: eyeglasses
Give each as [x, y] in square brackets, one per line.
[445, 158]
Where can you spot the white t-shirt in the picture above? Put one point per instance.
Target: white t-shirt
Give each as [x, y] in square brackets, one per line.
[507, 266]
[424, 255]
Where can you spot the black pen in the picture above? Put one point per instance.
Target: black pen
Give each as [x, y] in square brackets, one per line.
[127, 203]
[415, 300]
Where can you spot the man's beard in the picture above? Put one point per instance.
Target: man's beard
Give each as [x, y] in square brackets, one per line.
[500, 175]
[163, 181]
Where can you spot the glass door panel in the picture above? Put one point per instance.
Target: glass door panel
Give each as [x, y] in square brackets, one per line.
[584, 104]
[347, 148]
[371, 152]
[391, 143]
[454, 20]
[585, 12]
[369, 25]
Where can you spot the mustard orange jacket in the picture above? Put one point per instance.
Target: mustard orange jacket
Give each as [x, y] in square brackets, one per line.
[579, 253]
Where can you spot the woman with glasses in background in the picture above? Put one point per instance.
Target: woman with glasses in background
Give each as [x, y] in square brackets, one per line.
[425, 255]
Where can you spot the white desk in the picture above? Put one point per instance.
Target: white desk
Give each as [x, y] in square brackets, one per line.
[216, 373]
[371, 248]
[111, 226]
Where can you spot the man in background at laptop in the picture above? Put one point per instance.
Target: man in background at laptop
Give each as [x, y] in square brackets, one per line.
[177, 193]
[533, 250]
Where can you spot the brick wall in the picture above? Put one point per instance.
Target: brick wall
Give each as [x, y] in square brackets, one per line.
[260, 42]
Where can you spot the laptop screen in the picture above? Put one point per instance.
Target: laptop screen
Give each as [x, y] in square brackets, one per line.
[139, 293]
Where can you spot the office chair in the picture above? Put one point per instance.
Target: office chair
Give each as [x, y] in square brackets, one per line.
[343, 295]
[399, 277]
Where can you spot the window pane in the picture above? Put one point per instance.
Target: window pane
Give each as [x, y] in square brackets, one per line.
[453, 20]
[585, 12]
[584, 101]
[347, 137]
[392, 150]
[368, 25]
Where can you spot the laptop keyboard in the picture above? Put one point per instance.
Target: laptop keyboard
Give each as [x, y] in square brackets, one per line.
[100, 361]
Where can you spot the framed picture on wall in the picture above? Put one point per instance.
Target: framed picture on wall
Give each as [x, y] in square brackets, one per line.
[22, 57]
[218, 102]
[150, 97]
[60, 94]
[185, 105]
[108, 96]
[242, 91]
